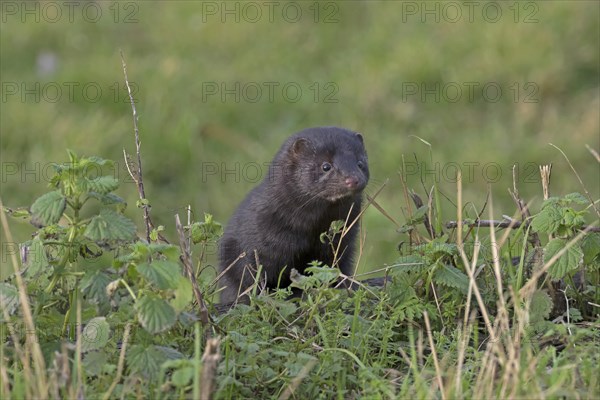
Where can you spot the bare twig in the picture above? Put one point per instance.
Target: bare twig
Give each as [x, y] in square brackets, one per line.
[121, 362]
[438, 371]
[137, 175]
[545, 171]
[32, 344]
[593, 152]
[419, 203]
[210, 361]
[189, 270]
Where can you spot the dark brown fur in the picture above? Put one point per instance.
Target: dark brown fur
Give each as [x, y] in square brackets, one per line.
[283, 217]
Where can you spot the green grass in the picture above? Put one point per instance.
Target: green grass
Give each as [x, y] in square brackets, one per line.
[369, 53]
[331, 345]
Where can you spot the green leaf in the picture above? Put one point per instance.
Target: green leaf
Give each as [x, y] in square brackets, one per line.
[95, 335]
[548, 220]
[574, 315]
[18, 213]
[110, 225]
[48, 208]
[36, 260]
[9, 297]
[102, 184]
[418, 216]
[410, 263]
[107, 199]
[540, 307]
[182, 377]
[155, 314]
[93, 286]
[92, 165]
[572, 218]
[577, 198]
[164, 274]
[569, 261]
[94, 362]
[145, 360]
[323, 274]
[208, 230]
[183, 294]
[590, 245]
[451, 276]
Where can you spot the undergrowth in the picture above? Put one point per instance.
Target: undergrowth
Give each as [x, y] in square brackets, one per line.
[93, 310]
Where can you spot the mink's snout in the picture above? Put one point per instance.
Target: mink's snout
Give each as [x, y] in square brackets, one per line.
[354, 183]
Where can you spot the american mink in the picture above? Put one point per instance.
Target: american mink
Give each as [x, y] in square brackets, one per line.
[316, 177]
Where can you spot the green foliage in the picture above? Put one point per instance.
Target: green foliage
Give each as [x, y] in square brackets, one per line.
[569, 261]
[85, 254]
[329, 343]
[559, 219]
[206, 231]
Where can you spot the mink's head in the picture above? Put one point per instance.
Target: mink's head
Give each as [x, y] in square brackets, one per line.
[329, 163]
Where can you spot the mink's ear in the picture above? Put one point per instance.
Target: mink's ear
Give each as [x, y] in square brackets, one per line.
[359, 136]
[301, 146]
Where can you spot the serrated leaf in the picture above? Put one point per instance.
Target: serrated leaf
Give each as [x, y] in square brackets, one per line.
[323, 274]
[548, 220]
[572, 218]
[89, 163]
[451, 276]
[36, 260]
[183, 294]
[540, 306]
[94, 362]
[102, 184]
[410, 263]
[168, 250]
[590, 245]
[577, 198]
[162, 273]
[205, 231]
[155, 314]
[107, 199]
[574, 315]
[418, 216]
[93, 286]
[145, 360]
[48, 208]
[569, 261]
[110, 225]
[95, 335]
[9, 297]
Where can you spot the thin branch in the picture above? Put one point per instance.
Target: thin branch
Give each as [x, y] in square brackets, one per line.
[189, 271]
[138, 176]
[121, 362]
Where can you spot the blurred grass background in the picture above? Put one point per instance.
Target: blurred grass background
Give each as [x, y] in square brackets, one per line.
[363, 55]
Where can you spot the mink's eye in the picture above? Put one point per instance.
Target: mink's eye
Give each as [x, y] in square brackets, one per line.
[326, 166]
[361, 165]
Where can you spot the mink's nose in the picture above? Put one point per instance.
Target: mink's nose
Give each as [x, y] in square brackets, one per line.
[352, 182]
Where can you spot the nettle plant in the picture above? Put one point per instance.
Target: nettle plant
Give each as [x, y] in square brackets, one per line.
[432, 272]
[86, 254]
